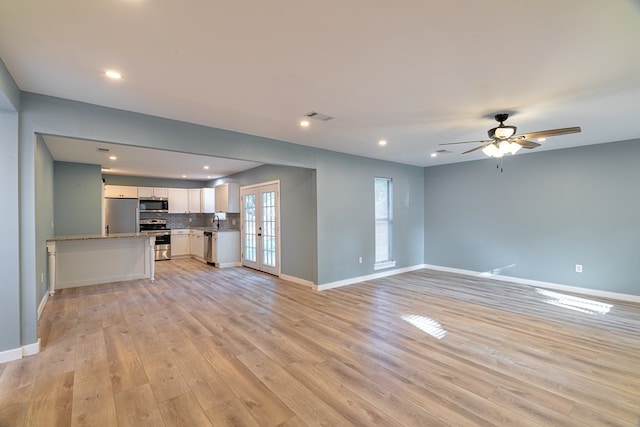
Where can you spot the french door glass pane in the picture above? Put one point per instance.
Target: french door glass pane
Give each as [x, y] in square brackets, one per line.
[269, 228]
[250, 242]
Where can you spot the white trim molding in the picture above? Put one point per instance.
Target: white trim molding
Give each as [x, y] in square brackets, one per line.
[540, 284]
[299, 281]
[43, 302]
[20, 352]
[9, 355]
[353, 280]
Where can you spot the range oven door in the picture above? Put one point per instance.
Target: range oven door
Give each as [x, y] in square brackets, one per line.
[163, 246]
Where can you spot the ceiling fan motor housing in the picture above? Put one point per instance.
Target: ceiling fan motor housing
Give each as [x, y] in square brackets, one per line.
[501, 131]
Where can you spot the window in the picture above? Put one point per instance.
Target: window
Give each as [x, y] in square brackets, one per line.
[384, 223]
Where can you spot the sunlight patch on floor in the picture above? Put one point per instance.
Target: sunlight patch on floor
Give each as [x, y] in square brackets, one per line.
[575, 303]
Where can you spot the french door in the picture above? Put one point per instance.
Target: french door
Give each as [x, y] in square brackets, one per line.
[260, 206]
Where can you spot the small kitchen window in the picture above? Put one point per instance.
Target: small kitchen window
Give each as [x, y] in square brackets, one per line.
[383, 193]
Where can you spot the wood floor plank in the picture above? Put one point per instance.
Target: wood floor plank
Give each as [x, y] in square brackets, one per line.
[183, 410]
[209, 346]
[231, 413]
[311, 410]
[137, 407]
[93, 402]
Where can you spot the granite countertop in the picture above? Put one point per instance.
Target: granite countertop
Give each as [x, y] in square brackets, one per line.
[210, 229]
[96, 237]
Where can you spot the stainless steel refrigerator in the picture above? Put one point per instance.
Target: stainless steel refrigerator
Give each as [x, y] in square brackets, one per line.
[121, 216]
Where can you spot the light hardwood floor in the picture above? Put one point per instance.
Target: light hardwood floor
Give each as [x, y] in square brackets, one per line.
[233, 347]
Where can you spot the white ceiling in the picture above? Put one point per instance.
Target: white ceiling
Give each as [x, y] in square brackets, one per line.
[144, 162]
[414, 72]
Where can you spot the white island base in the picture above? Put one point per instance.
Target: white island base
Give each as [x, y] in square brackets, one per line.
[91, 260]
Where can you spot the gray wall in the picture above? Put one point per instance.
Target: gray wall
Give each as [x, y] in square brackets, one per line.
[297, 215]
[77, 201]
[9, 92]
[9, 218]
[44, 215]
[546, 213]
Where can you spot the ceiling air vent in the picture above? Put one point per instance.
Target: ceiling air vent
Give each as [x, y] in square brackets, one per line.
[102, 150]
[443, 151]
[318, 116]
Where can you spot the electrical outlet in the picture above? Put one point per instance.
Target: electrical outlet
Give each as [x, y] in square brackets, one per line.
[41, 278]
[360, 260]
[189, 219]
[578, 268]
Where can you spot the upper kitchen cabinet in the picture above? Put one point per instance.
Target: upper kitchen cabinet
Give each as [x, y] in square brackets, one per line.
[195, 200]
[201, 200]
[208, 200]
[152, 192]
[228, 197]
[178, 200]
[121, 191]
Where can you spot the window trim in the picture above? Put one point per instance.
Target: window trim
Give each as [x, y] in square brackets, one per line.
[389, 262]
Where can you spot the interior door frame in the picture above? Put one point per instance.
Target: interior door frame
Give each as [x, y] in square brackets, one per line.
[276, 182]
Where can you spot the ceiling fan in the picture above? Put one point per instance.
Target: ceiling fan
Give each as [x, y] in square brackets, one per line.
[503, 139]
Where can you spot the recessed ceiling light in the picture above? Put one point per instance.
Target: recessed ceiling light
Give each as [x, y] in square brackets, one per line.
[542, 139]
[208, 176]
[434, 154]
[113, 158]
[382, 142]
[184, 176]
[304, 123]
[206, 167]
[112, 74]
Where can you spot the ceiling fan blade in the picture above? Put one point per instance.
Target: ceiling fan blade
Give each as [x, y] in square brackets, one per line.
[479, 147]
[466, 142]
[547, 133]
[527, 144]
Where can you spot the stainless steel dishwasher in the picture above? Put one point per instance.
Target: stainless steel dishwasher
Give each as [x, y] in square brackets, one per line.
[210, 246]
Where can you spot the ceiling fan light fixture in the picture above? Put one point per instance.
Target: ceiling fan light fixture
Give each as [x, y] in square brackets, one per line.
[515, 147]
[490, 150]
[504, 146]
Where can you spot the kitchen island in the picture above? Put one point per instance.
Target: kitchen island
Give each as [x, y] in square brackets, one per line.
[94, 259]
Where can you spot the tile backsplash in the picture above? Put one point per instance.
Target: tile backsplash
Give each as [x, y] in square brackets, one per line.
[232, 221]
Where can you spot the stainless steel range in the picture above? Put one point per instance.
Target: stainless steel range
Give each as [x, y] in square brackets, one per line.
[158, 228]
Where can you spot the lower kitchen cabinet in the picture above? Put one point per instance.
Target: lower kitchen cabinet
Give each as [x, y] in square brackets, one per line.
[180, 242]
[196, 240]
[227, 251]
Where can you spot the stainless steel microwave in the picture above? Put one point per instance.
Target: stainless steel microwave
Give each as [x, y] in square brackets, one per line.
[156, 204]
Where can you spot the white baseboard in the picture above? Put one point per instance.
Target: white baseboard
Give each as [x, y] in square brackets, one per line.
[31, 349]
[540, 284]
[43, 301]
[20, 352]
[228, 264]
[9, 355]
[297, 280]
[353, 280]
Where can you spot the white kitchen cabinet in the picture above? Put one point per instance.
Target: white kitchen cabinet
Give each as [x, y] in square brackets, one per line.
[226, 250]
[195, 200]
[152, 192]
[208, 200]
[180, 244]
[196, 240]
[228, 197]
[178, 200]
[121, 191]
